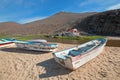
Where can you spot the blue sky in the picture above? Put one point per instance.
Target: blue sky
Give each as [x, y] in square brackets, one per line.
[24, 11]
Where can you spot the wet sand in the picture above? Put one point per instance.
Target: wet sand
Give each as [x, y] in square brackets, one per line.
[18, 64]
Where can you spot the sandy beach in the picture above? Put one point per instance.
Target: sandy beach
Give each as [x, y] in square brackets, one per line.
[18, 64]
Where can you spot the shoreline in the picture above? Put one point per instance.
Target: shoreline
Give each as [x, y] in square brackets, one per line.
[113, 38]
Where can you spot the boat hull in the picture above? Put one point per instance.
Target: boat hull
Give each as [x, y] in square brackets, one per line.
[5, 44]
[34, 47]
[79, 60]
[86, 57]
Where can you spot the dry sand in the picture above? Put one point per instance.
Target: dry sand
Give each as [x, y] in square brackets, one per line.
[17, 64]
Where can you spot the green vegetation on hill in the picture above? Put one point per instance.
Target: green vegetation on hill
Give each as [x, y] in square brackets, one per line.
[26, 37]
[78, 37]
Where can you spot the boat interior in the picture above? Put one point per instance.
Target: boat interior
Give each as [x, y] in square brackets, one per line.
[79, 50]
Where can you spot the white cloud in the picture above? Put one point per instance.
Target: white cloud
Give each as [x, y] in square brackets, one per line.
[101, 3]
[91, 2]
[28, 20]
[117, 6]
[2, 21]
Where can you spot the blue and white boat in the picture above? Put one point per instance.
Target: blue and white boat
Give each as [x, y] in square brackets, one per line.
[75, 57]
[37, 45]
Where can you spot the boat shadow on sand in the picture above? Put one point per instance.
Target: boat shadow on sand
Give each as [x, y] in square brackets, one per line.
[52, 69]
[23, 51]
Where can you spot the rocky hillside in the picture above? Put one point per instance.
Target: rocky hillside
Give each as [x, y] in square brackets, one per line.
[105, 23]
[61, 20]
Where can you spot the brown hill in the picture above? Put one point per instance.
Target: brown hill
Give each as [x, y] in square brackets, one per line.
[9, 28]
[45, 26]
[105, 23]
[55, 22]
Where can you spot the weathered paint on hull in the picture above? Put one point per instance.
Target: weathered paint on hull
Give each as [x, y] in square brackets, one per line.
[33, 47]
[86, 57]
[6, 44]
[77, 61]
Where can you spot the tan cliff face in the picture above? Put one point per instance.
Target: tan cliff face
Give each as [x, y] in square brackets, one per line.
[105, 23]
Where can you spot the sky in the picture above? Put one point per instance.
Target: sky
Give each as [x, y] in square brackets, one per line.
[25, 11]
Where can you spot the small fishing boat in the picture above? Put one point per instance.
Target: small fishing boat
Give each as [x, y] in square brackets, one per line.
[37, 45]
[75, 57]
[5, 43]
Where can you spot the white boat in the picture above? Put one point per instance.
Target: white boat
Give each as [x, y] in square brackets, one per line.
[75, 57]
[37, 45]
